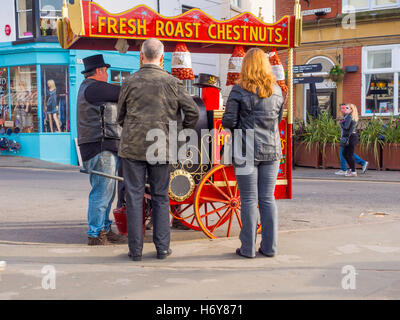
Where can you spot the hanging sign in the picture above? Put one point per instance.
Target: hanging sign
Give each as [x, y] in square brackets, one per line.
[307, 68]
[302, 80]
[194, 25]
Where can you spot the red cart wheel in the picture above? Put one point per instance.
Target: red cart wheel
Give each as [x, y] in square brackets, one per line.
[186, 215]
[218, 195]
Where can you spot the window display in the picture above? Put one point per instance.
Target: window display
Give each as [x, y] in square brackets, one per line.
[4, 106]
[23, 90]
[55, 103]
[50, 10]
[381, 78]
[379, 93]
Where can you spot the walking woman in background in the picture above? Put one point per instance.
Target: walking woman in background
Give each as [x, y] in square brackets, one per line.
[349, 138]
[256, 104]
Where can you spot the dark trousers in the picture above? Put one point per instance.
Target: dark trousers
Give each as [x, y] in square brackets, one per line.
[120, 189]
[135, 179]
[348, 152]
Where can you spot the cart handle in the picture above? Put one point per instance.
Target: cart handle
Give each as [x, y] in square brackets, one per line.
[99, 173]
[118, 178]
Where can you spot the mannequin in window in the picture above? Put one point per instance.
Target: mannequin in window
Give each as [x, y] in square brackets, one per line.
[52, 107]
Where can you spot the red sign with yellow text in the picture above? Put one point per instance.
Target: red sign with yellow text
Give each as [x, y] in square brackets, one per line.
[142, 22]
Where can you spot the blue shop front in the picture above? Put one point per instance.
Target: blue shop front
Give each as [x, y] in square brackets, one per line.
[27, 72]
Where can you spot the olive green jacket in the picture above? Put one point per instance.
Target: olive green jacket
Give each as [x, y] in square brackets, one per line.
[149, 99]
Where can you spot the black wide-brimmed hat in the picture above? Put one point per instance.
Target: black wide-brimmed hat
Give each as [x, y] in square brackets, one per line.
[94, 62]
[208, 80]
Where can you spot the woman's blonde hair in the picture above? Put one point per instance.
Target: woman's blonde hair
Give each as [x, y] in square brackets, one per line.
[354, 111]
[51, 84]
[256, 75]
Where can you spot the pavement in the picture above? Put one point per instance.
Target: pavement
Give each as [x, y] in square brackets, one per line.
[298, 172]
[355, 258]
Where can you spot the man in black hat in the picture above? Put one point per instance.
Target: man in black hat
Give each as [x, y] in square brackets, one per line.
[98, 139]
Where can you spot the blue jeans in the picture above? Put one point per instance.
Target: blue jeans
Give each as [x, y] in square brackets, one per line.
[257, 188]
[102, 194]
[343, 163]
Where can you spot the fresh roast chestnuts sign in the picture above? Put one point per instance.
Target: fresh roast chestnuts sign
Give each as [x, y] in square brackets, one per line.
[191, 26]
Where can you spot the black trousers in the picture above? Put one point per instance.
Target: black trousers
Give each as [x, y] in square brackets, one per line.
[120, 189]
[348, 152]
[135, 179]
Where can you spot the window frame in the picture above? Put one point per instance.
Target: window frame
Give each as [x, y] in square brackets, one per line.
[395, 70]
[238, 5]
[36, 32]
[43, 105]
[120, 71]
[17, 11]
[40, 11]
[371, 6]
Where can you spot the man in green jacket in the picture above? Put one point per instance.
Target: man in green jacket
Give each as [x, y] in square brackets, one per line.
[151, 104]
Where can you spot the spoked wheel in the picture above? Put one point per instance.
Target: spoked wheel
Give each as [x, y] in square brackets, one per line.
[217, 203]
[186, 215]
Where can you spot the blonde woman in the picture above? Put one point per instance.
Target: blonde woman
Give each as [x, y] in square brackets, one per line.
[256, 105]
[349, 138]
[52, 107]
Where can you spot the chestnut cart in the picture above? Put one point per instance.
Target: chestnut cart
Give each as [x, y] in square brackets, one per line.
[203, 196]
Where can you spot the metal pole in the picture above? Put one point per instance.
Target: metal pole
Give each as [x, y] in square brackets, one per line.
[290, 125]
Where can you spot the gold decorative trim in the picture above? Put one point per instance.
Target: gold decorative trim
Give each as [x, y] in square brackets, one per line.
[186, 174]
[298, 24]
[218, 114]
[75, 14]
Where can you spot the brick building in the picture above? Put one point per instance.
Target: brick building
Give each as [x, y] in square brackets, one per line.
[363, 38]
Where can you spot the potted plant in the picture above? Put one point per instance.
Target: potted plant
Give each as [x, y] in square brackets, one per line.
[336, 73]
[306, 146]
[329, 137]
[391, 145]
[371, 141]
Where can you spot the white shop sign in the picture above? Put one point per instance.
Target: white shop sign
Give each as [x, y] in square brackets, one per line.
[311, 12]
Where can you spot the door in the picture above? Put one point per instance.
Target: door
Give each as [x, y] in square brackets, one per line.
[326, 100]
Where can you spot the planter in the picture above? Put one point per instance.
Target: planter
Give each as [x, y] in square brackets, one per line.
[368, 155]
[331, 158]
[391, 156]
[306, 156]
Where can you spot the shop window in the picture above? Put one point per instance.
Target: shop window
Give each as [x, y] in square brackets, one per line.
[381, 80]
[379, 93]
[4, 106]
[24, 18]
[23, 91]
[55, 105]
[117, 77]
[378, 59]
[50, 10]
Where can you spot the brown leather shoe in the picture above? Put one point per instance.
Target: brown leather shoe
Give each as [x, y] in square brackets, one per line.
[114, 238]
[101, 240]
